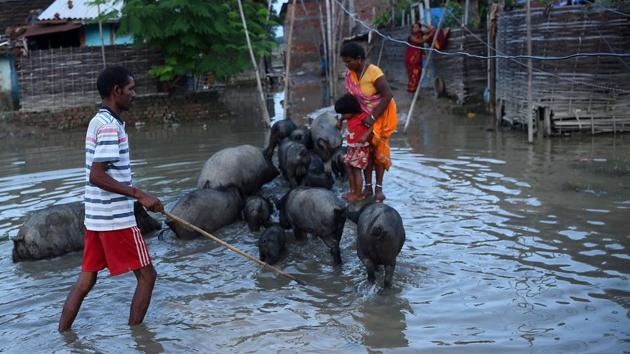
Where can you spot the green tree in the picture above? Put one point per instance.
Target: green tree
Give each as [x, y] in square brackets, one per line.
[198, 36]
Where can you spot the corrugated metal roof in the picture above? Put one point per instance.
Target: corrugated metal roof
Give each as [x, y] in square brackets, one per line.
[76, 10]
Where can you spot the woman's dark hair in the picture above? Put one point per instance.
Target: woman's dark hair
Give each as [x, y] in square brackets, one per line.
[352, 50]
[110, 77]
[347, 104]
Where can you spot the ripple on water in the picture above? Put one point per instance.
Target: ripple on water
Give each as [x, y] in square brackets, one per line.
[497, 258]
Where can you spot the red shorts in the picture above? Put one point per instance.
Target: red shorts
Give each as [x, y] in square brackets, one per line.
[120, 250]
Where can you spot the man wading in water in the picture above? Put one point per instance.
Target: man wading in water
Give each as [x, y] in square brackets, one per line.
[112, 238]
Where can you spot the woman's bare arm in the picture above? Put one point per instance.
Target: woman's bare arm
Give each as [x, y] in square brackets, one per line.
[383, 89]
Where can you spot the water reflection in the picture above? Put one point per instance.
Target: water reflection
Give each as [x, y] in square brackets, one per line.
[384, 331]
[75, 344]
[145, 340]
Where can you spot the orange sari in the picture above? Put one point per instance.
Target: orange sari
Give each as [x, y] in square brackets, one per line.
[385, 124]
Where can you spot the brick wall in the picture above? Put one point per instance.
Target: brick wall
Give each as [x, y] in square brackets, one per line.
[66, 77]
[156, 108]
[307, 35]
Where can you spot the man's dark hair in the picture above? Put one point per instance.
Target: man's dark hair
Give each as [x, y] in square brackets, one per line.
[352, 50]
[347, 104]
[110, 77]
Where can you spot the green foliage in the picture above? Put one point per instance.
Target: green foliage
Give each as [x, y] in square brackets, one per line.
[456, 11]
[382, 19]
[104, 15]
[198, 36]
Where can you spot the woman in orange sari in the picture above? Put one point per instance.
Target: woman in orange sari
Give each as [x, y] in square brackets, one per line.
[368, 84]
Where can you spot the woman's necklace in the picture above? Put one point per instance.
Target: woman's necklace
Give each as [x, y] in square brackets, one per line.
[363, 70]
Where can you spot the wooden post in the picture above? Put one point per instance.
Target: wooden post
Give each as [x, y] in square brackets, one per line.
[288, 64]
[263, 103]
[547, 121]
[530, 118]
[492, 68]
[415, 94]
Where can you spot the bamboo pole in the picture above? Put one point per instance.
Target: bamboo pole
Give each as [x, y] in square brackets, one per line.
[329, 22]
[263, 103]
[413, 15]
[466, 6]
[323, 33]
[416, 93]
[288, 65]
[380, 52]
[427, 6]
[337, 47]
[421, 9]
[530, 119]
[230, 247]
[333, 44]
[100, 30]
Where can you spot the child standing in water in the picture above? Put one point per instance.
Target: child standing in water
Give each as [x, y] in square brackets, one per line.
[358, 154]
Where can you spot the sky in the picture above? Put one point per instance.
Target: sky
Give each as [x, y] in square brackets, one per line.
[276, 9]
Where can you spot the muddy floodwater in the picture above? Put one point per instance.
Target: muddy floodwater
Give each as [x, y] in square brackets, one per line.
[511, 248]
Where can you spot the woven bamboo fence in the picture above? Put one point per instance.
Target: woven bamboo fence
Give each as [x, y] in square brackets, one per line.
[464, 78]
[578, 94]
[66, 77]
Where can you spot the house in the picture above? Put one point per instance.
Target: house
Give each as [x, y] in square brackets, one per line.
[73, 23]
[62, 55]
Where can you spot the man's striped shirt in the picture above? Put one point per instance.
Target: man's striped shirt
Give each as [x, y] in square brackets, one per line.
[106, 141]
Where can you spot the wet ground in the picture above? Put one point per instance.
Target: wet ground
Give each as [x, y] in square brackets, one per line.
[511, 248]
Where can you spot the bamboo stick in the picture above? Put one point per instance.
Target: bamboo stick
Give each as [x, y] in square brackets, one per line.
[380, 52]
[288, 65]
[416, 93]
[329, 37]
[323, 32]
[337, 47]
[427, 6]
[230, 247]
[530, 118]
[100, 30]
[263, 104]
